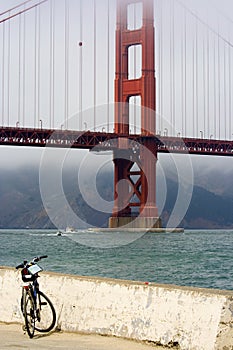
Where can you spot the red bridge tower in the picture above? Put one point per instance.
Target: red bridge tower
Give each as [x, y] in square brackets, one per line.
[135, 169]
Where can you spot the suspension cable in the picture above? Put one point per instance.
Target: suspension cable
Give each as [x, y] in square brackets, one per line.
[208, 84]
[204, 88]
[38, 71]
[3, 72]
[24, 66]
[172, 63]
[66, 63]
[193, 79]
[94, 65]
[80, 65]
[51, 65]
[206, 24]
[215, 95]
[19, 78]
[108, 67]
[8, 74]
[225, 90]
[229, 86]
[197, 80]
[15, 7]
[35, 68]
[219, 82]
[161, 68]
[185, 73]
[25, 10]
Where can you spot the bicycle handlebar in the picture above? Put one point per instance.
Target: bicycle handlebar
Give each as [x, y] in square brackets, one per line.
[36, 259]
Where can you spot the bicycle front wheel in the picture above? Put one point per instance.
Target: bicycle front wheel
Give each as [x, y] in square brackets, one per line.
[29, 314]
[46, 315]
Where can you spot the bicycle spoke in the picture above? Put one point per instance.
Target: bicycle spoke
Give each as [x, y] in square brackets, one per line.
[46, 316]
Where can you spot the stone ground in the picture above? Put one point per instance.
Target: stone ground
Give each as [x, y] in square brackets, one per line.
[13, 337]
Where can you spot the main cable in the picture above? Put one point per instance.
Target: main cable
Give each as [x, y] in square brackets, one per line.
[22, 11]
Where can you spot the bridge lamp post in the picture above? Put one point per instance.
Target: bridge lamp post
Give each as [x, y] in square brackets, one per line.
[41, 124]
[211, 136]
[17, 124]
[85, 126]
[201, 132]
[165, 131]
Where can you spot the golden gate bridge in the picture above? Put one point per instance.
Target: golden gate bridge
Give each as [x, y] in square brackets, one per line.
[172, 90]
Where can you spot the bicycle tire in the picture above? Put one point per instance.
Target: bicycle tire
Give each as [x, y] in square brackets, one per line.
[46, 315]
[29, 314]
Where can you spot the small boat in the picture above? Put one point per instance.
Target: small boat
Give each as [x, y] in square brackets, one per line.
[69, 229]
[59, 233]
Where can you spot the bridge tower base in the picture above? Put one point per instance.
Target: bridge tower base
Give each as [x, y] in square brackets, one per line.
[134, 222]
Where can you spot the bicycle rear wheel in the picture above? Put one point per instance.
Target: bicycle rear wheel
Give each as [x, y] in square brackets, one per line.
[46, 315]
[29, 314]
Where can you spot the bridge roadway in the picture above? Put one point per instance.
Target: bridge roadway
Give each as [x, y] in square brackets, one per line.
[14, 136]
[13, 337]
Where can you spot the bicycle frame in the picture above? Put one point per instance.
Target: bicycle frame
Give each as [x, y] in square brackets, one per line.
[33, 287]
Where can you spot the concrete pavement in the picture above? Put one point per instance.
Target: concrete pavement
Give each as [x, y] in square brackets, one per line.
[12, 336]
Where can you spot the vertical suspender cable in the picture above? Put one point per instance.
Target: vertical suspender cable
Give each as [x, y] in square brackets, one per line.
[161, 67]
[158, 106]
[204, 87]
[38, 70]
[8, 72]
[185, 74]
[197, 81]
[23, 66]
[219, 88]
[94, 65]
[52, 65]
[171, 62]
[50, 62]
[35, 68]
[215, 95]
[65, 69]
[66, 63]
[170, 54]
[80, 66]
[173, 69]
[193, 87]
[225, 91]
[208, 85]
[182, 81]
[230, 89]
[3, 72]
[19, 77]
[108, 68]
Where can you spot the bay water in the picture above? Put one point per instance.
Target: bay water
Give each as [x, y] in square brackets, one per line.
[200, 258]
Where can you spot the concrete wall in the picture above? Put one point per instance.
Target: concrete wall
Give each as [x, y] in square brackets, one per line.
[193, 318]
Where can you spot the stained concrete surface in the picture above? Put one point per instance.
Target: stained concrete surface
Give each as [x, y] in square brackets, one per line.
[12, 336]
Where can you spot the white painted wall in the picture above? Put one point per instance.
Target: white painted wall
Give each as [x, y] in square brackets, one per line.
[199, 319]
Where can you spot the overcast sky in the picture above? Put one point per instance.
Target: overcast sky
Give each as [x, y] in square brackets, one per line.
[33, 92]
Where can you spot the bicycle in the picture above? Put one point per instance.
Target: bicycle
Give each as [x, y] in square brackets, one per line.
[38, 311]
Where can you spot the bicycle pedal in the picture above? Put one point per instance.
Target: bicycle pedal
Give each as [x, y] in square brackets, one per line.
[44, 303]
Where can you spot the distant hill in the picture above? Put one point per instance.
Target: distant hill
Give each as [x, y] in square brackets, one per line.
[21, 204]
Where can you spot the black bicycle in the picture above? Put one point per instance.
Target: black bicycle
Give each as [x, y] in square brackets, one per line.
[37, 309]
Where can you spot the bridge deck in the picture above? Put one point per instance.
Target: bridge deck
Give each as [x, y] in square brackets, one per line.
[109, 141]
